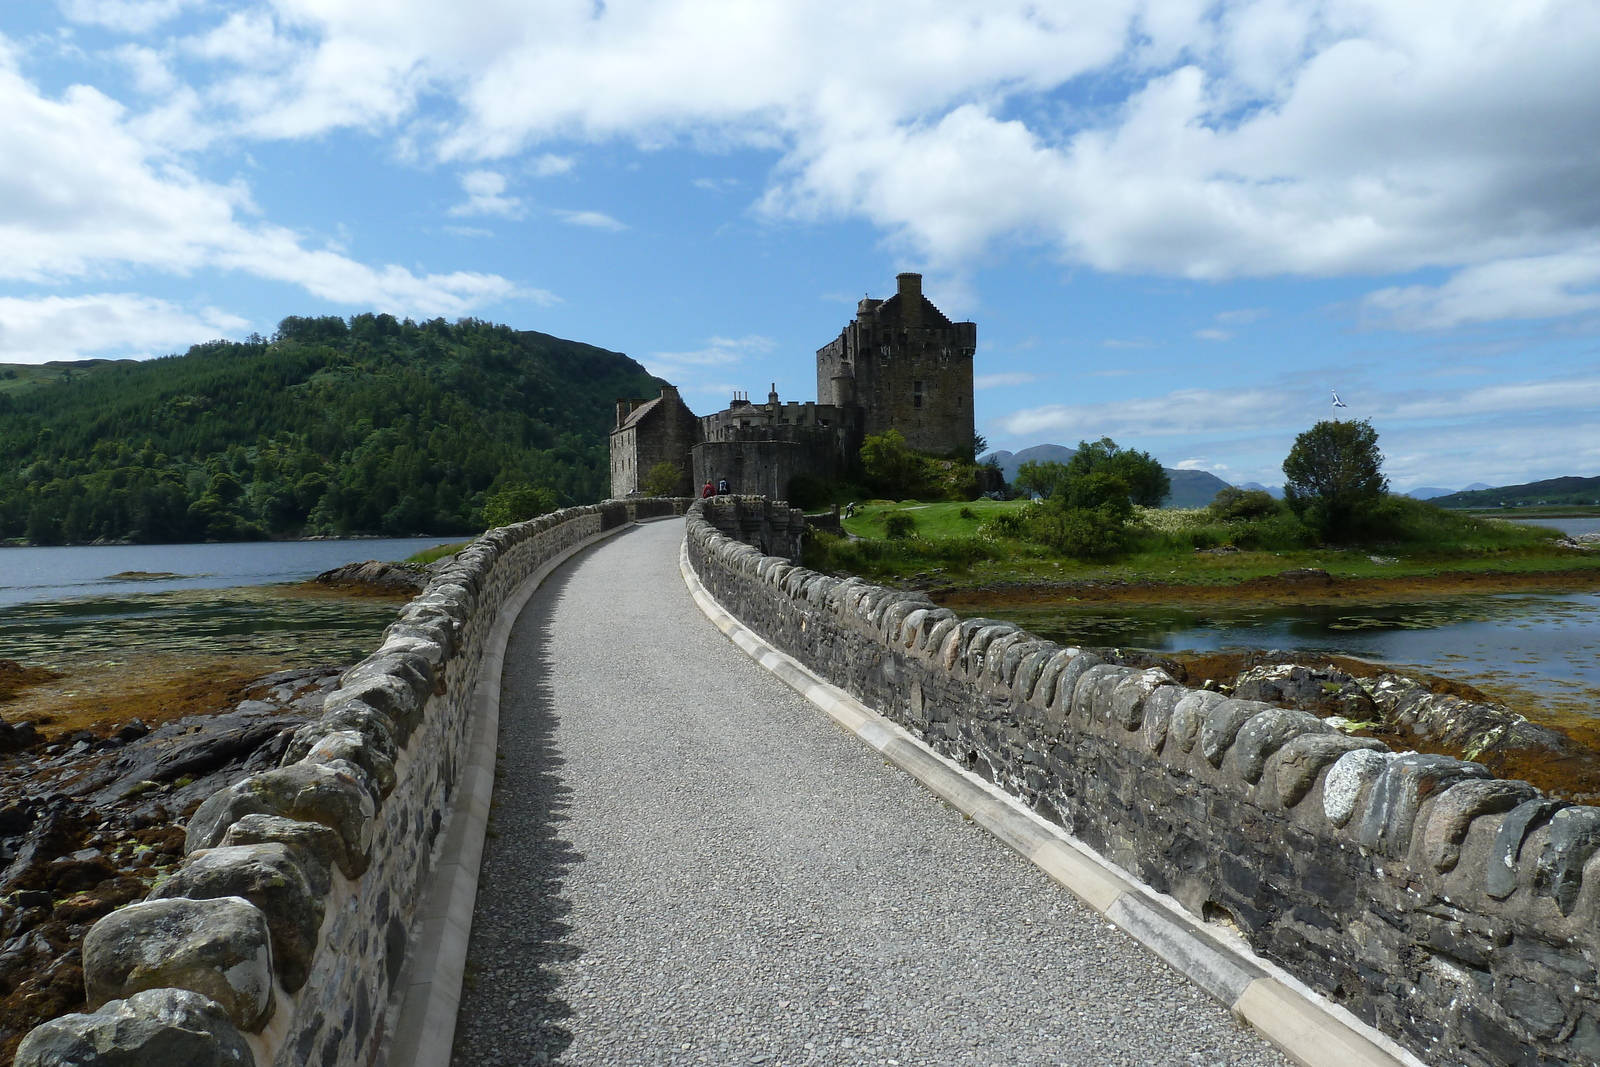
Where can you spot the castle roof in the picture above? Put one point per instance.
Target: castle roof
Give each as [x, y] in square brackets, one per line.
[931, 315]
[639, 413]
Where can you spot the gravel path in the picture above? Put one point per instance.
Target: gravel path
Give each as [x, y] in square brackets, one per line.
[689, 864]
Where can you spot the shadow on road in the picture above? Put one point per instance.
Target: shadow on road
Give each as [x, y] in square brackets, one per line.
[512, 1009]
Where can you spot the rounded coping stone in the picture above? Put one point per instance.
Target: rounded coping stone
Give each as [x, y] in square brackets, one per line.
[1263, 735]
[1067, 685]
[1223, 723]
[1398, 794]
[934, 640]
[995, 655]
[1032, 668]
[270, 876]
[1574, 837]
[1044, 690]
[1352, 773]
[388, 694]
[306, 739]
[318, 848]
[151, 1028]
[219, 948]
[1158, 713]
[1500, 880]
[1458, 806]
[974, 661]
[308, 791]
[1187, 714]
[1086, 693]
[1127, 698]
[1005, 662]
[1302, 758]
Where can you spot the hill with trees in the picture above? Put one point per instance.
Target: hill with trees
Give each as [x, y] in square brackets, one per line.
[1550, 491]
[333, 427]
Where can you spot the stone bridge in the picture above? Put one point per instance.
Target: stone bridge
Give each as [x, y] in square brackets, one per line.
[621, 788]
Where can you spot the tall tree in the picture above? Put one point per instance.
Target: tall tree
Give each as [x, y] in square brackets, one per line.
[1333, 474]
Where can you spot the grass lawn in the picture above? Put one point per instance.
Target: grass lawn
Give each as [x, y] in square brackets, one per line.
[949, 550]
[428, 555]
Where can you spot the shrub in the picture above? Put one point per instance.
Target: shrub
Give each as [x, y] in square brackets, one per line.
[899, 525]
[967, 513]
[1233, 503]
[518, 503]
[662, 480]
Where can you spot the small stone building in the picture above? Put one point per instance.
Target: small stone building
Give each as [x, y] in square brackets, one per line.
[901, 364]
[649, 432]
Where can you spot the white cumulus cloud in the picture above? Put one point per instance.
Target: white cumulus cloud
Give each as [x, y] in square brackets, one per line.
[107, 325]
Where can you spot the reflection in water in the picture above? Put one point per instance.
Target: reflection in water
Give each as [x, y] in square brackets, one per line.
[290, 628]
[1546, 644]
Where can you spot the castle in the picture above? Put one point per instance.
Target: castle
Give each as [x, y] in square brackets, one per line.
[900, 364]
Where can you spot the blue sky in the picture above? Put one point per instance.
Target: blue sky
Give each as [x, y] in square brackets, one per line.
[1177, 223]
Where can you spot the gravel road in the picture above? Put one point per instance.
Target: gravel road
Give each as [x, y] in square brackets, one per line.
[689, 864]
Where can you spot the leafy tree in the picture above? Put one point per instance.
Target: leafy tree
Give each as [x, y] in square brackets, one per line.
[518, 503]
[662, 479]
[890, 465]
[1040, 477]
[1333, 476]
[1147, 483]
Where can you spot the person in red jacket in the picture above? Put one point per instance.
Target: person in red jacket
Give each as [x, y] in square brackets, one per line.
[708, 491]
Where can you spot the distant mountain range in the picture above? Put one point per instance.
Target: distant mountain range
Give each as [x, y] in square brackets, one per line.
[1430, 492]
[1570, 490]
[1190, 489]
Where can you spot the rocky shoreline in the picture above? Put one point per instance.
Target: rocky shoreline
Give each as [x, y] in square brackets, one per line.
[92, 819]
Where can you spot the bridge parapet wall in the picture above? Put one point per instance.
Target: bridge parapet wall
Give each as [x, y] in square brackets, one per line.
[1453, 911]
[280, 937]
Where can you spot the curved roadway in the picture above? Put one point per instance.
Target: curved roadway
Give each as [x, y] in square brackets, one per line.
[689, 864]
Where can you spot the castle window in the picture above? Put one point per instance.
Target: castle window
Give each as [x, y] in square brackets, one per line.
[916, 394]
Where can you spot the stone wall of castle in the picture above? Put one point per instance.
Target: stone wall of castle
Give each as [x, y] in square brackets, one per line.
[1458, 913]
[651, 432]
[907, 366]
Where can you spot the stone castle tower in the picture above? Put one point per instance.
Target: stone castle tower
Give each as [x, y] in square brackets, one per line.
[900, 365]
[908, 368]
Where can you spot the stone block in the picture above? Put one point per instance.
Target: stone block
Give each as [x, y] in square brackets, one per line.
[1187, 715]
[318, 848]
[218, 948]
[1222, 724]
[305, 791]
[1398, 793]
[1302, 758]
[1350, 779]
[1574, 837]
[153, 1028]
[1264, 734]
[1454, 811]
[269, 876]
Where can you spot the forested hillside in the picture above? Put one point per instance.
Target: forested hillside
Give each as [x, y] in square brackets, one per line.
[333, 427]
[1570, 490]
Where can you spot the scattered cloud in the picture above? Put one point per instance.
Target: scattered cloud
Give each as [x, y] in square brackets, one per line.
[468, 231]
[1212, 334]
[105, 325]
[83, 194]
[126, 16]
[1534, 287]
[1136, 342]
[486, 195]
[716, 185]
[995, 381]
[689, 369]
[1242, 317]
[1185, 412]
[1199, 463]
[594, 220]
[549, 165]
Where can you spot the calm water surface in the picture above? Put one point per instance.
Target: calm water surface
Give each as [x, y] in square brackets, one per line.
[1545, 643]
[1570, 527]
[32, 574]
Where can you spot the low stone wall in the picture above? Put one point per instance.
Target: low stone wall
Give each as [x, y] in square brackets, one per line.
[1451, 910]
[279, 938]
[770, 525]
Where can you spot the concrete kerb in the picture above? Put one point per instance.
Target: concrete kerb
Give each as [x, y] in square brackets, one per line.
[421, 1016]
[1307, 1027]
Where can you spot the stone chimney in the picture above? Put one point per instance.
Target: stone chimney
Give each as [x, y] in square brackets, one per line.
[910, 289]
